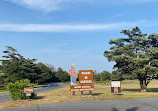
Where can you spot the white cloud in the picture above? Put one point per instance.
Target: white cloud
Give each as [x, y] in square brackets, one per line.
[52, 5]
[47, 5]
[67, 27]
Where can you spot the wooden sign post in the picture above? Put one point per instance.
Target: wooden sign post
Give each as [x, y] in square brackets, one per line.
[115, 87]
[85, 82]
[86, 79]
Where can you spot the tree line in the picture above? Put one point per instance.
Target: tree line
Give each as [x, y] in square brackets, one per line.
[16, 67]
[111, 76]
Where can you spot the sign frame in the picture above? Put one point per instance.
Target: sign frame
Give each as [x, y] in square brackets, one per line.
[115, 84]
[85, 77]
[115, 87]
[29, 90]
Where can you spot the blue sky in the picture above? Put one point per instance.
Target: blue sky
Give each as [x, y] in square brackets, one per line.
[62, 32]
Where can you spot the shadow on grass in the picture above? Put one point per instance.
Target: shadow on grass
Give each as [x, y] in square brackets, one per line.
[131, 90]
[118, 94]
[38, 97]
[152, 90]
[93, 94]
[138, 90]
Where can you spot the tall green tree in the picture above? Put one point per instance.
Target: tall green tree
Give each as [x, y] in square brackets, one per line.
[51, 67]
[134, 55]
[95, 76]
[16, 67]
[153, 51]
[62, 75]
[105, 75]
[10, 64]
[2, 76]
[118, 76]
[44, 74]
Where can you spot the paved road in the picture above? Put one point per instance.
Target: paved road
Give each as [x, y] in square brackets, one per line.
[51, 86]
[146, 104]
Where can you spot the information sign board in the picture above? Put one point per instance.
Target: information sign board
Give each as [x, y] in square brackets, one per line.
[115, 84]
[115, 87]
[81, 88]
[28, 90]
[85, 77]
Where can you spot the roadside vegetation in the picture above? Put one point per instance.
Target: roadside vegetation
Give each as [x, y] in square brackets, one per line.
[16, 89]
[5, 90]
[16, 67]
[130, 90]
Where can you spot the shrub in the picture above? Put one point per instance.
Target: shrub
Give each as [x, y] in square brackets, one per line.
[17, 89]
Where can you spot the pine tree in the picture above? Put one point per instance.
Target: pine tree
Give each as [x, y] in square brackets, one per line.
[62, 75]
[135, 55]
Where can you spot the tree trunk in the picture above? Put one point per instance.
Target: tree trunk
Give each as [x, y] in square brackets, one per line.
[143, 85]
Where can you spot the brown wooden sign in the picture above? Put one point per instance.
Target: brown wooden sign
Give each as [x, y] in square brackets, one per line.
[85, 77]
[81, 88]
[28, 90]
[115, 89]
